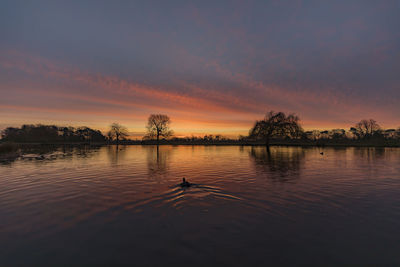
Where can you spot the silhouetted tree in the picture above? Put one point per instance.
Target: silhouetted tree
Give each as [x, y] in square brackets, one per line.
[32, 133]
[67, 133]
[89, 135]
[338, 133]
[389, 133]
[365, 128]
[51, 134]
[109, 136]
[242, 138]
[158, 125]
[209, 137]
[324, 134]
[11, 134]
[355, 133]
[313, 135]
[117, 132]
[276, 124]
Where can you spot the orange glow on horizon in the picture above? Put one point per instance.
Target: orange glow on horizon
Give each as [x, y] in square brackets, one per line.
[55, 94]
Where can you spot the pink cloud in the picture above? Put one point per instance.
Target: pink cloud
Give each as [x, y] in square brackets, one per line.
[198, 106]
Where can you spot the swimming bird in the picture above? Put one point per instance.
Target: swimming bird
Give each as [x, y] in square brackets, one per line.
[185, 183]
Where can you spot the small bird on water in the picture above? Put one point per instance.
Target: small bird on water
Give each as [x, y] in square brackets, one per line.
[185, 183]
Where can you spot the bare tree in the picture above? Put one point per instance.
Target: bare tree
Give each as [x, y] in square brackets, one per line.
[365, 128]
[117, 132]
[276, 124]
[158, 126]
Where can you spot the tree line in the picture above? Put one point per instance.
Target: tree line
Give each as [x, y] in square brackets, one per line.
[275, 127]
[51, 134]
[280, 126]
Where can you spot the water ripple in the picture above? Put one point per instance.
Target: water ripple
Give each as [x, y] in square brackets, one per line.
[244, 199]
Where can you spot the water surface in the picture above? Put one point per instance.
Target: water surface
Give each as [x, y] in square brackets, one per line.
[288, 205]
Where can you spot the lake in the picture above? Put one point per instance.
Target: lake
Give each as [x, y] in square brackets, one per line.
[248, 206]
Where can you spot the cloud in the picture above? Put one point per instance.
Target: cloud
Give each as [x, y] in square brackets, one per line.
[219, 97]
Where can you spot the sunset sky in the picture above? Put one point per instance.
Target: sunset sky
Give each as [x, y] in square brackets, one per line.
[212, 66]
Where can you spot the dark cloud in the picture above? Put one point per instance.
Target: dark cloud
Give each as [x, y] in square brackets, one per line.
[332, 62]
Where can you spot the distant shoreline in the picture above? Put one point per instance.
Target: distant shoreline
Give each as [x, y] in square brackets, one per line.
[276, 129]
[324, 143]
[12, 151]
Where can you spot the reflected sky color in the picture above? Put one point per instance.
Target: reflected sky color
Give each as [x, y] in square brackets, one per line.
[212, 67]
[123, 204]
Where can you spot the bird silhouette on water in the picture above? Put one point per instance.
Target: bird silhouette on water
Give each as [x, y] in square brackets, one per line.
[185, 183]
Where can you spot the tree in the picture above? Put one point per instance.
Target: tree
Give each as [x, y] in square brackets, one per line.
[89, 135]
[324, 134]
[316, 134]
[158, 125]
[389, 133]
[67, 133]
[109, 136]
[117, 132]
[276, 124]
[355, 133]
[51, 134]
[365, 128]
[338, 134]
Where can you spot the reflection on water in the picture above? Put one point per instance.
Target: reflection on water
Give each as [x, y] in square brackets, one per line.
[122, 204]
[286, 163]
[370, 153]
[158, 158]
[116, 153]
